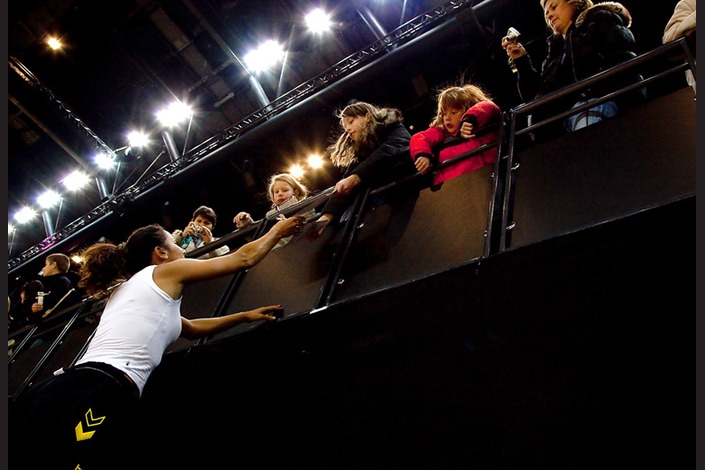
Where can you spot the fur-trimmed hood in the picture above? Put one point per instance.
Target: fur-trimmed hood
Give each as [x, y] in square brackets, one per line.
[390, 116]
[614, 7]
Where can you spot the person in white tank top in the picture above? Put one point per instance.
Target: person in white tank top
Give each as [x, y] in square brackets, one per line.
[82, 418]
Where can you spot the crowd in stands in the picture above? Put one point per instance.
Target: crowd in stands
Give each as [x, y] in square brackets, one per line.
[145, 277]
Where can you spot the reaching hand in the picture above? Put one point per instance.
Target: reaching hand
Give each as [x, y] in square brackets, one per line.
[347, 184]
[262, 313]
[242, 219]
[289, 226]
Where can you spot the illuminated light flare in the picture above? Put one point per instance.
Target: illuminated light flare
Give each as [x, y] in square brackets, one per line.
[75, 181]
[25, 215]
[265, 56]
[48, 199]
[318, 21]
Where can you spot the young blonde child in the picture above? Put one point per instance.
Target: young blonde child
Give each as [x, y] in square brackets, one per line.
[467, 113]
[283, 190]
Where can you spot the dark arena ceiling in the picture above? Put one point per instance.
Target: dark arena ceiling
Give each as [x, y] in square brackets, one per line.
[124, 59]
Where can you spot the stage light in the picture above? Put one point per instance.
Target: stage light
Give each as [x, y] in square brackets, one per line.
[10, 228]
[296, 170]
[104, 161]
[175, 113]
[265, 56]
[314, 161]
[48, 199]
[137, 139]
[318, 21]
[54, 43]
[25, 215]
[75, 181]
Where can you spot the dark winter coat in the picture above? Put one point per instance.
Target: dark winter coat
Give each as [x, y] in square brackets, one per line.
[386, 163]
[597, 40]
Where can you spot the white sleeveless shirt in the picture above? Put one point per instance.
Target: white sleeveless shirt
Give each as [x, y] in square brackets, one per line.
[137, 325]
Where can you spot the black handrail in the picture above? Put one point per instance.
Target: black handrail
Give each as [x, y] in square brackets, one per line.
[513, 119]
[50, 352]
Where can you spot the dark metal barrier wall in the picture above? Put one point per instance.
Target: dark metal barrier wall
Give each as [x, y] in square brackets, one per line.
[640, 159]
[57, 343]
[405, 234]
[292, 276]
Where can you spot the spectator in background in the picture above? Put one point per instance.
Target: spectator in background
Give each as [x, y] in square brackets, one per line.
[199, 232]
[465, 120]
[57, 285]
[22, 313]
[682, 25]
[586, 39]
[371, 150]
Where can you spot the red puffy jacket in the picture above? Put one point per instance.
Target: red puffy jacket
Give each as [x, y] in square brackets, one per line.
[485, 117]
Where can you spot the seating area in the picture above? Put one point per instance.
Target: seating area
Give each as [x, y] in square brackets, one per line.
[542, 303]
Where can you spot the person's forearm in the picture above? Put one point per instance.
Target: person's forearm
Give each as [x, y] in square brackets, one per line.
[253, 252]
[201, 327]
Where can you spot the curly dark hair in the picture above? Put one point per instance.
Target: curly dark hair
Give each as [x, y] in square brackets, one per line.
[105, 264]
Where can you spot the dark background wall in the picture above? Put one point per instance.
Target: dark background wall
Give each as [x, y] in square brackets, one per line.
[571, 353]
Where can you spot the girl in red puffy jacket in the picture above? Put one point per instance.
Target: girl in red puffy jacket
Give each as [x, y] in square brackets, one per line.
[467, 118]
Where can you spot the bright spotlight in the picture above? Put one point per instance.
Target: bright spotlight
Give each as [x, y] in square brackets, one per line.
[48, 199]
[137, 139]
[265, 56]
[25, 215]
[296, 170]
[314, 161]
[54, 43]
[104, 161]
[10, 228]
[175, 113]
[75, 180]
[318, 21]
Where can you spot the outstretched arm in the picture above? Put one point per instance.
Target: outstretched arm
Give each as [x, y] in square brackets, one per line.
[171, 277]
[200, 327]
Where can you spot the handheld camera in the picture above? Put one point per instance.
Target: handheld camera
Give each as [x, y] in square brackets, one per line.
[512, 36]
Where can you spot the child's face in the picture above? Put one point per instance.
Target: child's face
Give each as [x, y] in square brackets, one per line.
[203, 222]
[353, 125]
[49, 268]
[451, 118]
[281, 191]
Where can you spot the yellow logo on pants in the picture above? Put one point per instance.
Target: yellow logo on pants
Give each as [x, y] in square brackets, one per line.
[90, 422]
